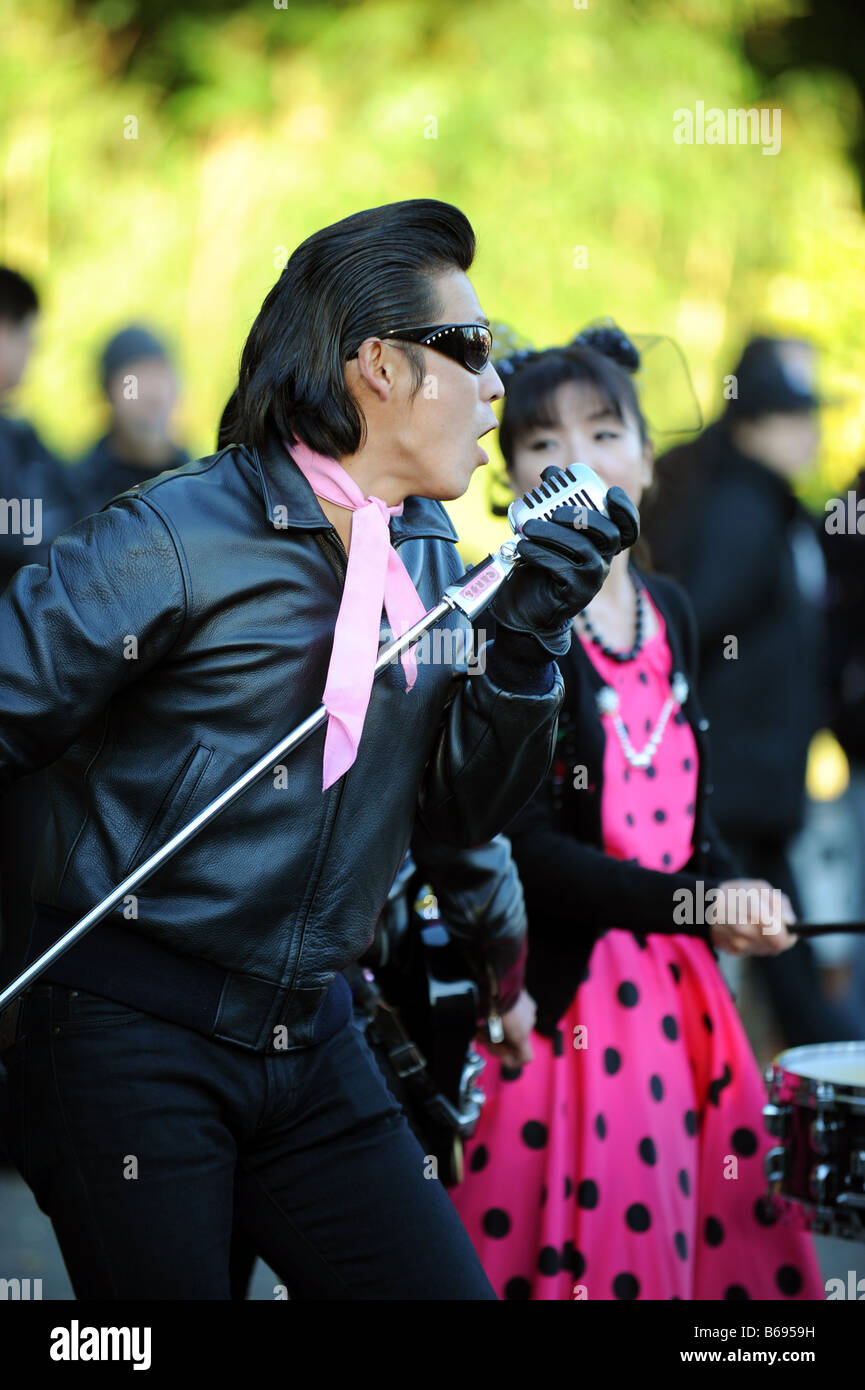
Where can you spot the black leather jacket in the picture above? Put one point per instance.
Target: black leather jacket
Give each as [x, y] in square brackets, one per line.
[172, 638]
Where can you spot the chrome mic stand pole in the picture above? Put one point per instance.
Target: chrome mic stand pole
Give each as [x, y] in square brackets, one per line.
[577, 485]
[470, 594]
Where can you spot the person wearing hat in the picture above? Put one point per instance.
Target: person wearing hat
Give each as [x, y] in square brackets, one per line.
[726, 523]
[141, 386]
[37, 505]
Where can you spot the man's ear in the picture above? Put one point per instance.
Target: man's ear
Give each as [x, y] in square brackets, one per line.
[374, 367]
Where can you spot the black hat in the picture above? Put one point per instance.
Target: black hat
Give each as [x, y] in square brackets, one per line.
[129, 345]
[775, 376]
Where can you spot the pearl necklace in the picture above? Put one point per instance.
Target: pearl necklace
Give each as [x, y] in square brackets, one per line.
[607, 700]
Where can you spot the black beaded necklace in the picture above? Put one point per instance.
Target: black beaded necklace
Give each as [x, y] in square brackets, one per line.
[595, 637]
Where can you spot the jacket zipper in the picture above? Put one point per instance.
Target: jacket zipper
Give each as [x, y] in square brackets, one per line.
[329, 541]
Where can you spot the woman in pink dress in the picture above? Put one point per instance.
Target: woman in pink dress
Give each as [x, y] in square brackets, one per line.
[620, 1151]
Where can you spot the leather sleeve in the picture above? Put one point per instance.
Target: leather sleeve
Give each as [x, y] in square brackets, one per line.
[65, 629]
[481, 901]
[491, 753]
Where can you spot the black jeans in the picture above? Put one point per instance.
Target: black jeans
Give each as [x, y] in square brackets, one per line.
[147, 1144]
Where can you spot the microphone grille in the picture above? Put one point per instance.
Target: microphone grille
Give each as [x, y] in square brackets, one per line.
[576, 486]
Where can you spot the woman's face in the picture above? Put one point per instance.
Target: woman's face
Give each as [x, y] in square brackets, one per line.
[586, 431]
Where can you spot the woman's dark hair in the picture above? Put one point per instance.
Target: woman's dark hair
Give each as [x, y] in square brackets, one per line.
[357, 278]
[602, 358]
[18, 298]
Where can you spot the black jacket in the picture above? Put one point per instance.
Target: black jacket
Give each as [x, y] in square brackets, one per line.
[29, 470]
[174, 637]
[574, 890]
[735, 536]
[101, 475]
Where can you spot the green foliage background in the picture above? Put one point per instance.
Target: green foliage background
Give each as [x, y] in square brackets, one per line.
[551, 125]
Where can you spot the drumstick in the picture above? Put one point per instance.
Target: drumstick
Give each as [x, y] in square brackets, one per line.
[825, 928]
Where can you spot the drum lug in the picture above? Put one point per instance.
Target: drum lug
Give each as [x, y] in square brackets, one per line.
[776, 1118]
[824, 1135]
[823, 1183]
[775, 1164]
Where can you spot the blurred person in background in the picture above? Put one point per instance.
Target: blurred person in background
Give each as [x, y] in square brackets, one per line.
[726, 523]
[29, 471]
[843, 539]
[141, 387]
[37, 505]
[599, 1169]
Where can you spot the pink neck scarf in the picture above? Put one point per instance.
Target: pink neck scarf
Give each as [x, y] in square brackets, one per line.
[375, 573]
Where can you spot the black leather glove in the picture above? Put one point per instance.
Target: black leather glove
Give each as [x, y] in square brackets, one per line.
[562, 569]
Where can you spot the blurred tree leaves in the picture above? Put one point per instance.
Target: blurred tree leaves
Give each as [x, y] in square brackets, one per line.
[161, 162]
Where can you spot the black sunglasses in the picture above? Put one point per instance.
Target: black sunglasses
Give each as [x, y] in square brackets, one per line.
[469, 344]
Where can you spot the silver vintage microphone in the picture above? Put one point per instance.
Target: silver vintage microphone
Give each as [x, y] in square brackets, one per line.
[578, 486]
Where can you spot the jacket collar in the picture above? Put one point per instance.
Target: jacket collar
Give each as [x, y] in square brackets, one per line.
[289, 501]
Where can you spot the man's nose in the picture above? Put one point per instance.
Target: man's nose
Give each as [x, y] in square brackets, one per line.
[492, 388]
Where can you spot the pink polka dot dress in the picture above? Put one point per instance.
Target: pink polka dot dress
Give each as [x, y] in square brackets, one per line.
[626, 1160]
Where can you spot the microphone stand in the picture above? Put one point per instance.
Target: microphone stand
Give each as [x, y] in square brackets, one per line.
[471, 594]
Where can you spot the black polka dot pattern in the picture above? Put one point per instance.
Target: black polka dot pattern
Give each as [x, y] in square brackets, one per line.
[518, 1289]
[670, 1027]
[479, 1159]
[789, 1280]
[572, 1260]
[764, 1212]
[647, 1151]
[587, 1194]
[626, 1286]
[534, 1134]
[744, 1141]
[656, 1087]
[612, 1061]
[638, 1217]
[627, 994]
[716, 1087]
[714, 1231]
[496, 1223]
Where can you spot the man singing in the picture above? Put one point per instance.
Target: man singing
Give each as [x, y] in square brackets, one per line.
[189, 1066]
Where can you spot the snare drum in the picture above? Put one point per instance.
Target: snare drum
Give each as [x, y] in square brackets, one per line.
[816, 1114]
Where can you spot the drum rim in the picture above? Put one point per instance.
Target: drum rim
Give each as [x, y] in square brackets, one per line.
[784, 1067]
